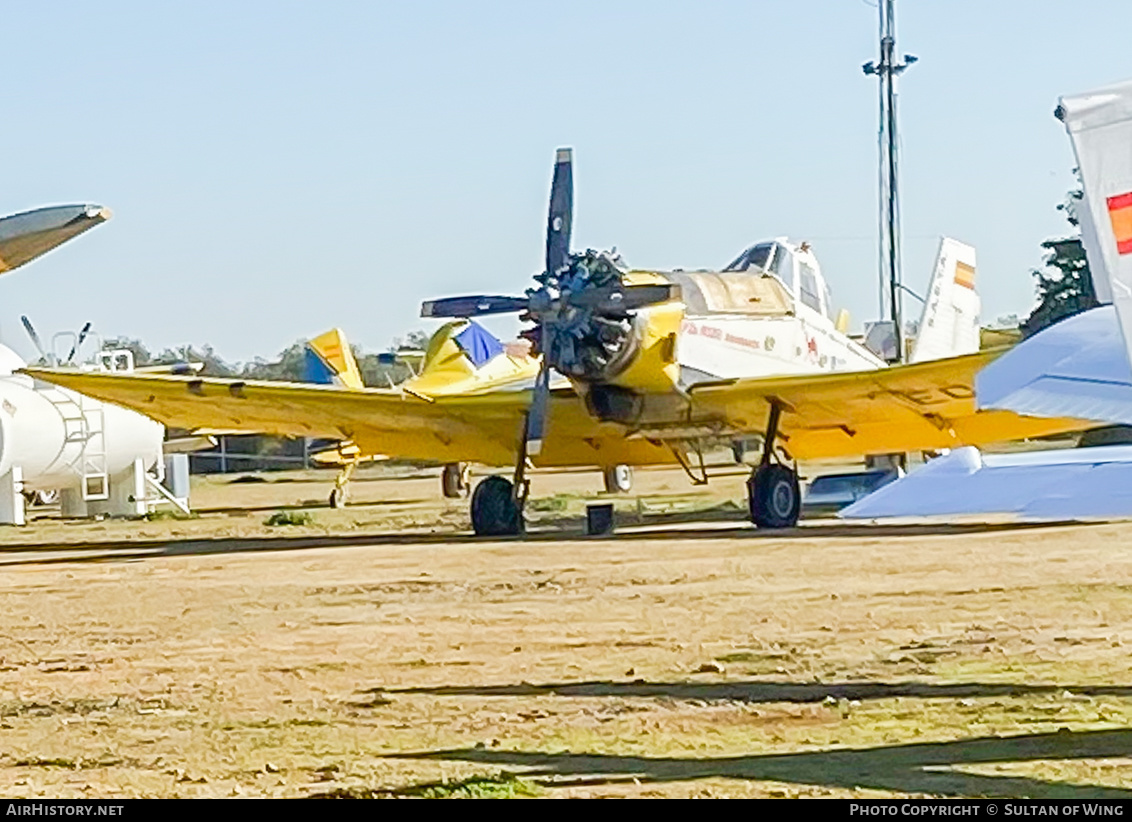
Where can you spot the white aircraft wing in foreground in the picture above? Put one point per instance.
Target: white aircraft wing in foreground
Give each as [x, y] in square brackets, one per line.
[1080, 367]
[1077, 366]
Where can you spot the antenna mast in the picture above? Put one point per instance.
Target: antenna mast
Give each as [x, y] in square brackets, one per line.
[886, 70]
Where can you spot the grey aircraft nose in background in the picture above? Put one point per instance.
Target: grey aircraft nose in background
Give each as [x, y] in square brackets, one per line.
[30, 234]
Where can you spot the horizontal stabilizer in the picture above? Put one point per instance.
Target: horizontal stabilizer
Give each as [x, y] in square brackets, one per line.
[1072, 483]
[23, 237]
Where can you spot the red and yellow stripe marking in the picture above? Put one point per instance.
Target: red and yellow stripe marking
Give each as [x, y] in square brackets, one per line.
[965, 275]
[1120, 213]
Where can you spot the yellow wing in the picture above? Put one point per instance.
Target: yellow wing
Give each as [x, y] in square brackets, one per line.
[907, 408]
[925, 406]
[483, 427]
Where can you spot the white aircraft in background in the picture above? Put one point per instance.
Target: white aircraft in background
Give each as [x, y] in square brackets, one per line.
[96, 456]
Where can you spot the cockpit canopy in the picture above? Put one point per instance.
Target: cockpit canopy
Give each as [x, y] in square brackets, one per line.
[795, 268]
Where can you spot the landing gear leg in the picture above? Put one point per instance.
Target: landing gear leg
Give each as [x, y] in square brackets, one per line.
[773, 492]
[497, 505]
[455, 480]
[338, 495]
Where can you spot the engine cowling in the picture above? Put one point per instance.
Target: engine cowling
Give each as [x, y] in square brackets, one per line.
[597, 342]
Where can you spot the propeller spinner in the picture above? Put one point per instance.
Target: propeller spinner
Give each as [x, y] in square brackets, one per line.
[582, 308]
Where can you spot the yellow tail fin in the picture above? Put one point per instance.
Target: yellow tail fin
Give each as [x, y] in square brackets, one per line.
[333, 354]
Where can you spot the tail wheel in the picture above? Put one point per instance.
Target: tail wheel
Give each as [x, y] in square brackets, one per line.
[618, 479]
[495, 513]
[454, 480]
[774, 496]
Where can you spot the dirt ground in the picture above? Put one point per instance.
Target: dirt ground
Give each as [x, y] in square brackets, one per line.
[381, 651]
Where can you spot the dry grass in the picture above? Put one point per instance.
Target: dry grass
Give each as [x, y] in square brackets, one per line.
[218, 656]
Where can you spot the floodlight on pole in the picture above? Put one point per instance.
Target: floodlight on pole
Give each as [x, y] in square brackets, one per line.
[886, 70]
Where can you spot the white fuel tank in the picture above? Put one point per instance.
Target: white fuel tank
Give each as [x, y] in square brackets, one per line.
[56, 436]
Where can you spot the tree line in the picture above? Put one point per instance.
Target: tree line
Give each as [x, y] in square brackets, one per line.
[1064, 284]
[376, 369]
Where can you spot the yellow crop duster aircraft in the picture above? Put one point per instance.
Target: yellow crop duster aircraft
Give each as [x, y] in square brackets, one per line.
[461, 357]
[634, 368]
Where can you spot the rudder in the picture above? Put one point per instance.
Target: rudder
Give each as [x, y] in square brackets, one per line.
[949, 324]
[329, 361]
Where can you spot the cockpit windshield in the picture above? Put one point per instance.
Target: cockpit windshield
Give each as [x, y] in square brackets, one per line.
[757, 256]
[771, 258]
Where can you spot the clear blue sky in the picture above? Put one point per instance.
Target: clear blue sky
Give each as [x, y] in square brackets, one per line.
[277, 168]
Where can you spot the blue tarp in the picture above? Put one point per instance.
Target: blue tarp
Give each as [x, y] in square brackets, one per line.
[479, 344]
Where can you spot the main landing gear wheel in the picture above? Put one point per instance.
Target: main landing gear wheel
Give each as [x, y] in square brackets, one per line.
[454, 480]
[338, 498]
[618, 479]
[495, 513]
[774, 496]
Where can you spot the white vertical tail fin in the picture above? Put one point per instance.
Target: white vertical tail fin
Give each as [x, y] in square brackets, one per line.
[1100, 127]
[949, 325]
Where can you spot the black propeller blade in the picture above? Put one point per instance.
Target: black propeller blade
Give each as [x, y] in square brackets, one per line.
[559, 227]
[575, 294]
[473, 306]
[623, 297]
[560, 219]
[536, 415]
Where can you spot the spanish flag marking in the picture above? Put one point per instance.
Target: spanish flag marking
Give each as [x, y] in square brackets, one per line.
[1120, 213]
[965, 275]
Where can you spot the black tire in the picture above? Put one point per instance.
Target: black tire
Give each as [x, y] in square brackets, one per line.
[338, 498]
[774, 496]
[453, 480]
[618, 479]
[494, 511]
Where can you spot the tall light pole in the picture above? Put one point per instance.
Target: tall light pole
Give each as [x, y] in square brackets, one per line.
[886, 70]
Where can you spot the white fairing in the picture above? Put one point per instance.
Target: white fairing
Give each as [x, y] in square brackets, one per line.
[949, 325]
[9, 361]
[1100, 127]
[55, 436]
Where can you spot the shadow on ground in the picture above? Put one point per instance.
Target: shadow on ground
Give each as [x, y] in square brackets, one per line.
[923, 768]
[764, 691]
[111, 550]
